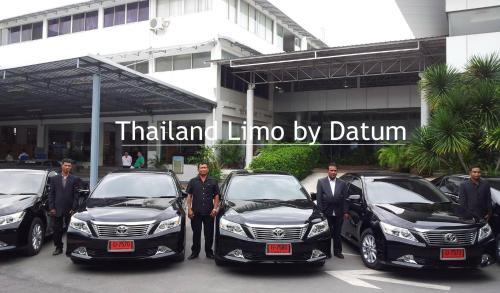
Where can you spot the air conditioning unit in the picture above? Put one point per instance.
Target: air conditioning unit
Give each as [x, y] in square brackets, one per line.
[158, 23]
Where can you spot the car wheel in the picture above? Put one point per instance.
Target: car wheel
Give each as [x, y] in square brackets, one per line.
[36, 235]
[369, 250]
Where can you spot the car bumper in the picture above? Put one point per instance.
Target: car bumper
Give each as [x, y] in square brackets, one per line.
[429, 257]
[9, 239]
[254, 251]
[96, 249]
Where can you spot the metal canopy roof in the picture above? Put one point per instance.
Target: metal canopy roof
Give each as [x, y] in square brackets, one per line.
[63, 89]
[378, 59]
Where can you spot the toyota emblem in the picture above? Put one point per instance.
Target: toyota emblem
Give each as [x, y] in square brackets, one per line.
[278, 233]
[450, 238]
[122, 230]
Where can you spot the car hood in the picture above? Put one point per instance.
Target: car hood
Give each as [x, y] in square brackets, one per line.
[272, 212]
[13, 203]
[132, 210]
[425, 216]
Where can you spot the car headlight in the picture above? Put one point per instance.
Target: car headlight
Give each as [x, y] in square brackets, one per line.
[168, 224]
[231, 227]
[318, 228]
[484, 232]
[12, 218]
[397, 232]
[79, 225]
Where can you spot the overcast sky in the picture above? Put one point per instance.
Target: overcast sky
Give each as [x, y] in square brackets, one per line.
[337, 22]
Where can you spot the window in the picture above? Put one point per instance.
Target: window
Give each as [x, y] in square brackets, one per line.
[182, 62]
[232, 10]
[14, 34]
[129, 13]
[140, 66]
[254, 21]
[244, 14]
[65, 25]
[78, 22]
[200, 58]
[477, 21]
[70, 24]
[119, 15]
[169, 8]
[132, 12]
[163, 64]
[25, 32]
[91, 20]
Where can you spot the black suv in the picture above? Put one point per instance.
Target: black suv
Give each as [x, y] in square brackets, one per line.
[449, 185]
[268, 217]
[404, 220]
[131, 214]
[24, 220]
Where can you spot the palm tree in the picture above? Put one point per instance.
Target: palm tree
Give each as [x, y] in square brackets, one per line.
[437, 82]
[492, 141]
[421, 152]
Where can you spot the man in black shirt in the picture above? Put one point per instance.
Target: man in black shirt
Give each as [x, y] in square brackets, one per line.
[203, 202]
[475, 194]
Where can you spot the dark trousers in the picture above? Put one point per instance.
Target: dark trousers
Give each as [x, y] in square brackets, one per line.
[58, 224]
[208, 229]
[335, 224]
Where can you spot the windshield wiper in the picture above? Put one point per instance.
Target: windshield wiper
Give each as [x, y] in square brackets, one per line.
[25, 193]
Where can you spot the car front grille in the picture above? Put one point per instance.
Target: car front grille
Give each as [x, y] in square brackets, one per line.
[121, 230]
[278, 233]
[445, 238]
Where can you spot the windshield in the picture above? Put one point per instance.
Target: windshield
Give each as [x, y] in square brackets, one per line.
[21, 182]
[403, 190]
[135, 185]
[265, 187]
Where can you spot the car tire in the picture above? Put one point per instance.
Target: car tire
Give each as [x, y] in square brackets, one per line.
[36, 236]
[368, 250]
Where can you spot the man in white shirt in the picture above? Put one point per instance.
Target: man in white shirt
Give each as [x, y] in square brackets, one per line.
[126, 160]
[331, 195]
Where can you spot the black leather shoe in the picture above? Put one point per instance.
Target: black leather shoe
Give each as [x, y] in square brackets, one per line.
[339, 255]
[193, 256]
[210, 256]
[57, 251]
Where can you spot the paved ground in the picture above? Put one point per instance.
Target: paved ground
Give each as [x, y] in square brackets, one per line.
[47, 273]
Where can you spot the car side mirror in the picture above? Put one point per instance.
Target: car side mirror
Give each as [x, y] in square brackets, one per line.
[184, 194]
[354, 197]
[313, 195]
[84, 193]
[452, 196]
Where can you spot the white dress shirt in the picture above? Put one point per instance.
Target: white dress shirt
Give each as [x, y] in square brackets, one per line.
[332, 186]
[126, 161]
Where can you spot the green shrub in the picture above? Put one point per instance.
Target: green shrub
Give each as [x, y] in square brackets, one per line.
[207, 154]
[230, 153]
[394, 157]
[298, 160]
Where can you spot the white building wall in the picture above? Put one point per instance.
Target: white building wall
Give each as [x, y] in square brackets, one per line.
[348, 99]
[455, 5]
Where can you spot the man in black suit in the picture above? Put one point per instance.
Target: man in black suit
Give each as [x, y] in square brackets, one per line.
[63, 201]
[331, 195]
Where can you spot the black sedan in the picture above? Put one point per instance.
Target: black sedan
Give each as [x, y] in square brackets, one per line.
[449, 185]
[130, 215]
[269, 218]
[24, 220]
[403, 220]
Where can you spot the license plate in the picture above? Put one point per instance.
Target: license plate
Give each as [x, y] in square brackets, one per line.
[121, 245]
[452, 253]
[278, 249]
